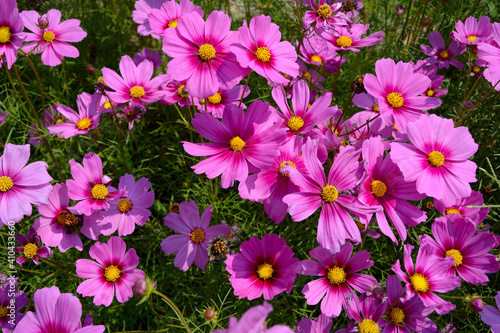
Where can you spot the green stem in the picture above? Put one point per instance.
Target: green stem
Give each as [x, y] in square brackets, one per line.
[39, 84]
[175, 308]
[245, 88]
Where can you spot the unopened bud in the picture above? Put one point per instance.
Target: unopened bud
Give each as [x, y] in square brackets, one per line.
[209, 313]
[400, 10]
[140, 287]
[477, 304]
[425, 21]
[468, 105]
[43, 22]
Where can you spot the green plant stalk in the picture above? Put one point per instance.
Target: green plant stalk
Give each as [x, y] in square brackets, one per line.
[245, 88]
[39, 84]
[120, 137]
[175, 308]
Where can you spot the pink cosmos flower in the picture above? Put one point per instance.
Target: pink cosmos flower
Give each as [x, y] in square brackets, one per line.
[398, 90]
[242, 141]
[140, 16]
[136, 86]
[323, 324]
[90, 186]
[12, 301]
[315, 51]
[463, 207]
[30, 248]
[113, 271]
[216, 103]
[195, 234]
[439, 54]
[338, 278]
[367, 314]
[167, 15]
[491, 315]
[146, 54]
[386, 187]
[472, 32]
[80, 123]
[130, 209]
[263, 268]
[54, 39]
[438, 159]
[56, 312]
[11, 36]
[21, 185]
[176, 92]
[427, 276]
[201, 56]
[324, 15]
[349, 39]
[260, 49]
[335, 223]
[491, 54]
[460, 241]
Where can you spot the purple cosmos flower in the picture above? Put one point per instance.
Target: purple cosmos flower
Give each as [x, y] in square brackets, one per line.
[11, 36]
[338, 278]
[491, 54]
[146, 54]
[469, 250]
[260, 49]
[131, 112]
[56, 312]
[216, 103]
[201, 56]
[113, 271]
[167, 15]
[324, 15]
[463, 207]
[438, 159]
[472, 32]
[428, 275]
[323, 324]
[80, 123]
[439, 54]
[263, 268]
[191, 244]
[136, 86]
[140, 16]
[335, 223]
[30, 248]
[349, 39]
[242, 141]
[367, 314]
[52, 41]
[90, 186]
[131, 209]
[397, 88]
[491, 315]
[11, 302]
[21, 185]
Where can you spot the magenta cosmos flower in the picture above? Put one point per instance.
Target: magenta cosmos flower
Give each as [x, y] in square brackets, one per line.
[131, 209]
[472, 32]
[11, 36]
[113, 271]
[323, 324]
[56, 312]
[398, 88]
[439, 54]
[195, 234]
[136, 86]
[167, 15]
[80, 123]
[11, 303]
[349, 39]
[465, 207]
[324, 15]
[21, 185]
[335, 223]
[90, 186]
[201, 56]
[216, 103]
[54, 39]
[491, 315]
[491, 54]
[367, 314]
[30, 248]
[241, 141]
[438, 159]
[469, 249]
[260, 49]
[428, 275]
[263, 268]
[338, 278]
[141, 13]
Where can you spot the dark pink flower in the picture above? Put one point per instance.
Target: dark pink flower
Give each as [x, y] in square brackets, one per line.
[30, 248]
[349, 39]
[11, 36]
[465, 207]
[167, 15]
[440, 55]
[472, 32]
[216, 103]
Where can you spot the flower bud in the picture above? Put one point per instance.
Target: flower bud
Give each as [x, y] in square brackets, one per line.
[209, 313]
[43, 22]
[400, 10]
[477, 304]
[140, 287]
[468, 105]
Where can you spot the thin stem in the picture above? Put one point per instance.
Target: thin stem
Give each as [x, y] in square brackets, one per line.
[245, 88]
[176, 309]
[411, 28]
[25, 93]
[467, 97]
[120, 138]
[38, 82]
[467, 113]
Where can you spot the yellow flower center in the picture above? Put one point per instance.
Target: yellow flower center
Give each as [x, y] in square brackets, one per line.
[215, 99]
[265, 271]
[456, 255]
[397, 315]
[336, 275]
[395, 100]
[48, 36]
[174, 208]
[395, 127]
[101, 81]
[182, 92]
[452, 210]
[472, 38]
[206, 52]
[378, 188]
[376, 108]
[112, 273]
[344, 41]
[30, 250]
[5, 183]
[436, 159]
[444, 54]
[137, 92]
[329, 193]
[429, 205]
[197, 235]
[295, 123]
[5, 35]
[368, 326]
[316, 58]
[99, 192]
[419, 282]
[3, 311]
[172, 24]
[84, 123]
[324, 11]
[430, 92]
[263, 54]
[476, 69]
[307, 75]
[285, 163]
[107, 105]
[236, 144]
[67, 219]
[219, 247]
[124, 205]
[59, 121]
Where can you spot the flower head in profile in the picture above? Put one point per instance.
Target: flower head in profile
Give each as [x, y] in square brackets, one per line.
[30, 248]
[216, 103]
[465, 207]
[194, 235]
[349, 39]
[146, 54]
[323, 324]
[491, 315]
[473, 31]
[53, 41]
[11, 36]
[439, 54]
[367, 314]
[12, 301]
[324, 15]
[113, 271]
[141, 13]
[169, 13]
[265, 267]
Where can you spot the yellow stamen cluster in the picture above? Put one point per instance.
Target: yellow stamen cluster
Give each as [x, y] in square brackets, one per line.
[172, 24]
[336, 275]
[197, 235]
[84, 124]
[3, 311]
[395, 100]
[137, 92]
[236, 144]
[368, 326]
[206, 52]
[472, 38]
[174, 208]
[344, 41]
[378, 188]
[59, 121]
[5, 183]
[124, 205]
[215, 99]
[285, 163]
[324, 11]
[430, 92]
[67, 219]
[48, 36]
[265, 271]
[30, 250]
[395, 127]
[436, 158]
[444, 54]
[307, 75]
[295, 123]
[112, 273]
[182, 91]
[329, 193]
[263, 54]
[5, 35]
[456, 255]
[99, 192]
[397, 315]
[453, 210]
[316, 58]
[219, 247]
[101, 81]
[419, 282]
[376, 108]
